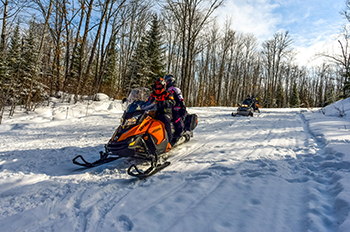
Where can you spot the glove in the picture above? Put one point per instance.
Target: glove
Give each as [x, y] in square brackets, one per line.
[160, 104]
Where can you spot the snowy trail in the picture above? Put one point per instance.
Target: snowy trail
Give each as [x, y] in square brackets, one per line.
[266, 173]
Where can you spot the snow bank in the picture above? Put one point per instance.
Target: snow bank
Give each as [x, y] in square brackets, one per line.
[58, 110]
[331, 126]
[338, 109]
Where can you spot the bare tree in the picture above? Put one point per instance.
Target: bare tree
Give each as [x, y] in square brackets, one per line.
[191, 16]
[274, 51]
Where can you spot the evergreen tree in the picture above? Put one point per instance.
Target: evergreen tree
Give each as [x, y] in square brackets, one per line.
[346, 86]
[15, 51]
[330, 96]
[3, 82]
[280, 96]
[268, 99]
[4, 78]
[146, 64]
[28, 56]
[14, 60]
[155, 50]
[110, 75]
[139, 68]
[73, 80]
[294, 100]
[3, 67]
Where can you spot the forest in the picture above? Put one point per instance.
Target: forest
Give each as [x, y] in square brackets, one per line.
[80, 48]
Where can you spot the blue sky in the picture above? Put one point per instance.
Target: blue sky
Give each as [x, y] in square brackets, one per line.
[312, 24]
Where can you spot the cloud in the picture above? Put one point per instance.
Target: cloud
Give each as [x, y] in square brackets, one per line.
[312, 26]
[310, 55]
[251, 16]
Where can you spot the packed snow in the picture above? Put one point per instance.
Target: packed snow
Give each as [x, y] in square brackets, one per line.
[281, 170]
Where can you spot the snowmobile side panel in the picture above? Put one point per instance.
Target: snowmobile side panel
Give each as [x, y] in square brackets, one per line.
[151, 125]
[157, 130]
[137, 130]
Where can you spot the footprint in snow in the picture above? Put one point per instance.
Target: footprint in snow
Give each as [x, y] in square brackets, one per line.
[124, 223]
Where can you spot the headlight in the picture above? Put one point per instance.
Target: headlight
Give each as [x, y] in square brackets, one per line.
[244, 105]
[131, 121]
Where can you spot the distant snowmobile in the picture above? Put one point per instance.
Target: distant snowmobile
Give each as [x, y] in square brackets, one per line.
[246, 108]
[140, 136]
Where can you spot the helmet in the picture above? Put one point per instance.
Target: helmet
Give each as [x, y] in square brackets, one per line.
[170, 80]
[159, 85]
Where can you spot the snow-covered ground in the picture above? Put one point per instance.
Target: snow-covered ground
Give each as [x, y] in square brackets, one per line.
[281, 170]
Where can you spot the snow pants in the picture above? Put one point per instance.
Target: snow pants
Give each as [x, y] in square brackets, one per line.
[166, 119]
[179, 124]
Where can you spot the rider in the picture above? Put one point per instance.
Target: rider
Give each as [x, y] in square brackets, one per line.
[165, 102]
[255, 103]
[249, 98]
[179, 110]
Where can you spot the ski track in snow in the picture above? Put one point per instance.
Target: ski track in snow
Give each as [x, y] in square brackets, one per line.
[265, 173]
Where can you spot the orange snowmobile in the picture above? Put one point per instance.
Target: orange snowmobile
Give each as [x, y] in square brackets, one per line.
[140, 136]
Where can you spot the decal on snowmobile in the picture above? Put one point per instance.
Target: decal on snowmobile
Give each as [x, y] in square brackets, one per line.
[158, 129]
[146, 124]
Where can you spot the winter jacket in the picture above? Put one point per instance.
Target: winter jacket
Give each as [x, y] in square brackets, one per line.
[179, 100]
[165, 102]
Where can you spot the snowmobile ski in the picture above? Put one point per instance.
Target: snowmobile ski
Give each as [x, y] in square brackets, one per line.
[149, 172]
[103, 159]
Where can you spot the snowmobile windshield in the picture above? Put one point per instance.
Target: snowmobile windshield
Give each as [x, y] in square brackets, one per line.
[135, 112]
[138, 94]
[140, 106]
[246, 102]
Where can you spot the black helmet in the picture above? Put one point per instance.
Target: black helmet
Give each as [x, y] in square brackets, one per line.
[159, 85]
[170, 80]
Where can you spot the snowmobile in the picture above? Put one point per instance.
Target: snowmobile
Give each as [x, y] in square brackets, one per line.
[246, 108]
[140, 136]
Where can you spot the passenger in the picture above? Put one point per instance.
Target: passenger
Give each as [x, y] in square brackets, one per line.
[179, 110]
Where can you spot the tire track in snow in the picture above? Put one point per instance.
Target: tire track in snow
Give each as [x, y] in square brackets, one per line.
[175, 158]
[237, 176]
[198, 201]
[189, 185]
[216, 186]
[256, 172]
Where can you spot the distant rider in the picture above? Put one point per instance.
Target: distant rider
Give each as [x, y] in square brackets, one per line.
[165, 102]
[249, 99]
[255, 103]
[179, 110]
